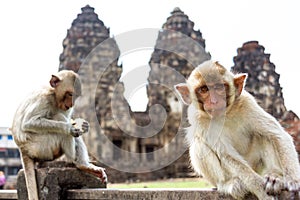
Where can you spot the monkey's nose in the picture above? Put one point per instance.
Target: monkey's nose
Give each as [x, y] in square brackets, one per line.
[67, 107]
[213, 100]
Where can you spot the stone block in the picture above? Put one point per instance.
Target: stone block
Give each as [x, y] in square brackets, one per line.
[150, 194]
[55, 178]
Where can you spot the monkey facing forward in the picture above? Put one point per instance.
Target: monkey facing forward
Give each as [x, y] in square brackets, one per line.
[234, 143]
[43, 130]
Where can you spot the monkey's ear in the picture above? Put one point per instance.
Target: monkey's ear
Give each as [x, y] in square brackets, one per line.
[239, 82]
[184, 93]
[54, 81]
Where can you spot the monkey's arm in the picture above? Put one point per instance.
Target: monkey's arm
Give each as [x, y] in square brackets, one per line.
[266, 126]
[284, 147]
[239, 168]
[38, 117]
[284, 154]
[40, 124]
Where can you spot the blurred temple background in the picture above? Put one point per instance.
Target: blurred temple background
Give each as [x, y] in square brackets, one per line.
[112, 144]
[87, 31]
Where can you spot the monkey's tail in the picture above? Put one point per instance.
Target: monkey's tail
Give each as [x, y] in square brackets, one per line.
[30, 177]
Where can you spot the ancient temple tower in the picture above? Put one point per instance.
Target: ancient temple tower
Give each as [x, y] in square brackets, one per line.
[178, 50]
[93, 54]
[263, 81]
[86, 32]
[89, 50]
[178, 47]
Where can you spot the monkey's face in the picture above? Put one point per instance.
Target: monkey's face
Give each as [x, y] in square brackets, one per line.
[64, 97]
[67, 94]
[211, 98]
[67, 88]
[211, 89]
[66, 101]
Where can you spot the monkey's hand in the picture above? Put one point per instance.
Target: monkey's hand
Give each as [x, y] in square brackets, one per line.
[95, 170]
[75, 132]
[85, 127]
[273, 184]
[79, 127]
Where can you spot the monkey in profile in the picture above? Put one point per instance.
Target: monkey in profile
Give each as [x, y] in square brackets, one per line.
[233, 143]
[43, 130]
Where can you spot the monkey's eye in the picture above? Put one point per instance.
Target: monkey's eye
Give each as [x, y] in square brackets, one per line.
[203, 89]
[69, 94]
[219, 87]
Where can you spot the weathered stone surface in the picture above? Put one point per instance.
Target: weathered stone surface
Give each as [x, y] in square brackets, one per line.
[146, 194]
[150, 194]
[262, 81]
[54, 178]
[8, 194]
[86, 32]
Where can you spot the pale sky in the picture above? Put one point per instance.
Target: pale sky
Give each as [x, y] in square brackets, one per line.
[32, 33]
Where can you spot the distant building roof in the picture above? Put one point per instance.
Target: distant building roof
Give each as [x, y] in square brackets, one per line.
[4, 131]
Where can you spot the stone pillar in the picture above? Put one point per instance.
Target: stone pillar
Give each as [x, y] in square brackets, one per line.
[55, 178]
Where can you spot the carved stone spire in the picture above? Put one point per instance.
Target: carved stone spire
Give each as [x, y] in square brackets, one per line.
[179, 47]
[178, 50]
[86, 32]
[263, 81]
[178, 21]
[89, 50]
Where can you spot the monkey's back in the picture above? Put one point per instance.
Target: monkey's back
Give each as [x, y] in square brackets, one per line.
[35, 104]
[39, 104]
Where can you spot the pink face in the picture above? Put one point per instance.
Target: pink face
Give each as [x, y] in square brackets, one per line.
[212, 89]
[66, 91]
[66, 102]
[212, 98]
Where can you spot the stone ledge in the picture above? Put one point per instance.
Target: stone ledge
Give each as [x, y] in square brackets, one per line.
[8, 194]
[55, 178]
[135, 194]
[148, 194]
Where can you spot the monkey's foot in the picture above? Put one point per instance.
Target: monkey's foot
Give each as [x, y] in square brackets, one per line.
[96, 171]
[273, 184]
[292, 185]
[234, 187]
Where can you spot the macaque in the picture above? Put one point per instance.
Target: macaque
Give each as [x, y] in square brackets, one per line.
[233, 143]
[43, 130]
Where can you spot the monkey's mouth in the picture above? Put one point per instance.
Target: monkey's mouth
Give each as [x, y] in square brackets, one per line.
[66, 107]
[216, 112]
